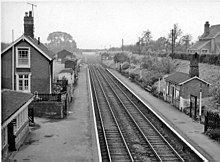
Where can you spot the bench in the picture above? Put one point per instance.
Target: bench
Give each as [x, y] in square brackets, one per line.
[148, 88]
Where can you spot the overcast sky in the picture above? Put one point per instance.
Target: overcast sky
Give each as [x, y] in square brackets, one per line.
[101, 23]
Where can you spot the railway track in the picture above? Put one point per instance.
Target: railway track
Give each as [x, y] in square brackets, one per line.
[112, 143]
[161, 147]
[144, 141]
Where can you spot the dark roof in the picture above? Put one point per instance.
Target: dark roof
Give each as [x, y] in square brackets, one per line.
[13, 101]
[213, 30]
[34, 42]
[42, 47]
[66, 70]
[65, 52]
[71, 60]
[177, 77]
[199, 44]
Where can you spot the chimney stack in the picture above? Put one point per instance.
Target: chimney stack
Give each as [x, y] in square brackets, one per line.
[194, 65]
[29, 24]
[206, 28]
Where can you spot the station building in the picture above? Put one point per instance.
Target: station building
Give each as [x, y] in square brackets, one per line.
[27, 64]
[183, 89]
[15, 122]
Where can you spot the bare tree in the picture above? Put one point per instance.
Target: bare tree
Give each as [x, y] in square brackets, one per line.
[146, 39]
[186, 39]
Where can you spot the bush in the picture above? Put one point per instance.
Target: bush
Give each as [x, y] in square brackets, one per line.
[132, 76]
[214, 133]
[125, 66]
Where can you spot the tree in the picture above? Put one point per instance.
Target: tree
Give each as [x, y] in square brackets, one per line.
[186, 39]
[61, 40]
[160, 44]
[216, 92]
[120, 57]
[146, 37]
[146, 40]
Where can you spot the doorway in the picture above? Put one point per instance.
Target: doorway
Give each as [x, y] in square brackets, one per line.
[11, 136]
[193, 106]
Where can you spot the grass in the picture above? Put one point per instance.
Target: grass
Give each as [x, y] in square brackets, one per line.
[209, 73]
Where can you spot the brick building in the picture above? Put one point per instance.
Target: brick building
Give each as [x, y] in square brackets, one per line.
[15, 123]
[64, 55]
[181, 88]
[209, 42]
[27, 64]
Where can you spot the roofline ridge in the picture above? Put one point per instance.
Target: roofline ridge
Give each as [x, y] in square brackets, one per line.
[31, 43]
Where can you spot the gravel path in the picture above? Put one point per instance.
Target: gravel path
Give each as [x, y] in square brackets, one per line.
[67, 140]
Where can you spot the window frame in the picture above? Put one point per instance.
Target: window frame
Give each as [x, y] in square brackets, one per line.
[23, 81]
[4, 137]
[29, 60]
[204, 49]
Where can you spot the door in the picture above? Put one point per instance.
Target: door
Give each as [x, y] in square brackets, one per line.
[193, 106]
[11, 137]
[172, 92]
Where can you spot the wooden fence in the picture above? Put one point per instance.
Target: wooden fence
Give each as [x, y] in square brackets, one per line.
[212, 121]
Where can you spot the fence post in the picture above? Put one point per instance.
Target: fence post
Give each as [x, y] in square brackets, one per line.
[59, 97]
[206, 122]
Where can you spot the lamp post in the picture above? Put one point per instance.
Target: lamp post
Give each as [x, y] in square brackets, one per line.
[129, 70]
[200, 102]
[140, 72]
[159, 85]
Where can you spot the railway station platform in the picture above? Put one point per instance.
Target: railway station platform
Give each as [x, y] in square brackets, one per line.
[71, 139]
[190, 130]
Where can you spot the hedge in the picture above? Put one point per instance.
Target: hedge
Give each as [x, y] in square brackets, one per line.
[203, 58]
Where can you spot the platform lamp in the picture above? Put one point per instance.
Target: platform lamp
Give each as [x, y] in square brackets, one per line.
[129, 70]
[140, 72]
[200, 102]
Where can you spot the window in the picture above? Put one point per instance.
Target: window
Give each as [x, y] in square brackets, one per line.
[23, 82]
[204, 51]
[177, 94]
[23, 57]
[4, 137]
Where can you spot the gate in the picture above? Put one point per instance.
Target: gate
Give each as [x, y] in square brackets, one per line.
[31, 115]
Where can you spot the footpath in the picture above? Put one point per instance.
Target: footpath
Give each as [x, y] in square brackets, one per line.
[189, 129]
[64, 140]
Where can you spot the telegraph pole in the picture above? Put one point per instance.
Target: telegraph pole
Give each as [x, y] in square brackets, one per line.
[139, 40]
[122, 44]
[172, 43]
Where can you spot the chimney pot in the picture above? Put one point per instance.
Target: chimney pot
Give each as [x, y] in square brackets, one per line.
[39, 40]
[26, 14]
[30, 13]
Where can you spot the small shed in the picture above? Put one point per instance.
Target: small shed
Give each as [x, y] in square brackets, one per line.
[185, 90]
[15, 123]
[64, 54]
[72, 63]
[67, 73]
[180, 88]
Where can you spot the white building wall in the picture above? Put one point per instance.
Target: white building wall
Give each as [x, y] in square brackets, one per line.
[184, 103]
[68, 76]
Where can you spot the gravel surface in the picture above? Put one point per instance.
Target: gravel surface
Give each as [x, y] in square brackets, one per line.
[66, 140]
